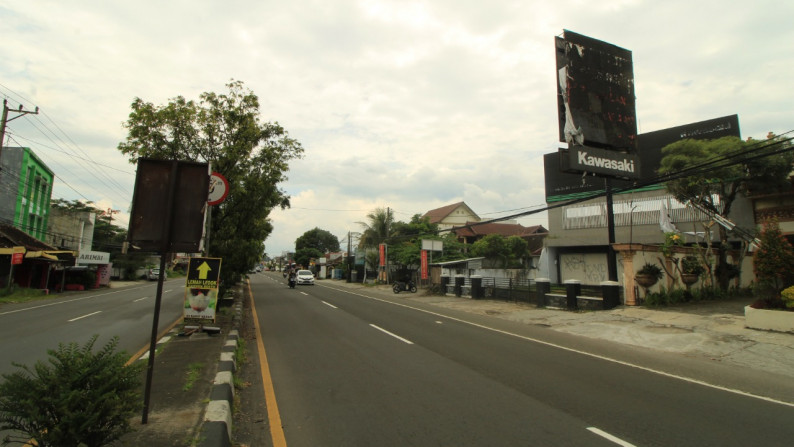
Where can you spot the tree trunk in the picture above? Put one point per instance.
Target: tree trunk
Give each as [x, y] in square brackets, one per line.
[723, 272]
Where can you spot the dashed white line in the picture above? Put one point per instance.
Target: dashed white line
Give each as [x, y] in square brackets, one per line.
[85, 316]
[393, 335]
[329, 304]
[614, 439]
[140, 299]
[589, 354]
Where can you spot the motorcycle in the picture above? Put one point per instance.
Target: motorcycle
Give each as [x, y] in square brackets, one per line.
[291, 282]
[400, 286]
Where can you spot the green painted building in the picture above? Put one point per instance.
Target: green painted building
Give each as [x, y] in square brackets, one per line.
[25, 191]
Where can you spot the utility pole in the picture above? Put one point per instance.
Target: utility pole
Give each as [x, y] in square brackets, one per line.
[349, 264]
[5, 120]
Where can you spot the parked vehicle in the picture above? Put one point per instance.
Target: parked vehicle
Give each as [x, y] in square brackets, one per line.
[153, 274]
[305, 277]
[400, 286]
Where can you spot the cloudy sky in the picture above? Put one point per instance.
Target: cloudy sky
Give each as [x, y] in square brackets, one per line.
[410, 105]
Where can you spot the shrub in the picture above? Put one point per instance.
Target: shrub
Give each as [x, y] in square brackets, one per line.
[692, 265]
[77, 398]
[787, 295]
[651, 269]
[774, 258]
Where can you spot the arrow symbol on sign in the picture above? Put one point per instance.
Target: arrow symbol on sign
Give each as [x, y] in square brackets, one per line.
[203, 269]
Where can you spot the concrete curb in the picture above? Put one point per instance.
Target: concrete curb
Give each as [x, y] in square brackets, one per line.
[216, 427]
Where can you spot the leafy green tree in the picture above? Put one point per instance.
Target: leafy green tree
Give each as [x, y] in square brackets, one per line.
[716, 190]
[518, 249]
[322, 240]
[510, 251]
[405, 240]
[303, 256]
[224, 130]
[453, 249]
[78, 398]
[492, 246]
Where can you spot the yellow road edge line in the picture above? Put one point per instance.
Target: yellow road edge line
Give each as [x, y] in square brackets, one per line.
[273, 415]
[143, 350]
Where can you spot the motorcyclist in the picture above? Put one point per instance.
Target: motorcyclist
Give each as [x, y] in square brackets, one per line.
[291, 278]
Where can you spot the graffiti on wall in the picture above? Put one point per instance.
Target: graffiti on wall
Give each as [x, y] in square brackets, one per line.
[588, 268]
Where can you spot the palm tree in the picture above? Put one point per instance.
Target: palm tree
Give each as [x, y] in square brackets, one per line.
[376, 231]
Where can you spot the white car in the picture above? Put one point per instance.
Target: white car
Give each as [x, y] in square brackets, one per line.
[154, 274]
[304, 277]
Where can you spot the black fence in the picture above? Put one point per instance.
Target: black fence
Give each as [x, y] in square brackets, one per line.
[570, 295]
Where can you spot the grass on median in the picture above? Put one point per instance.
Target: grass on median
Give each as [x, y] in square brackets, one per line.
[193, 372]
[21, 295]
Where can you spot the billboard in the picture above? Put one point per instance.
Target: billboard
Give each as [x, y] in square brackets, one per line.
[595, 93]
[168, 205]
[563, 186]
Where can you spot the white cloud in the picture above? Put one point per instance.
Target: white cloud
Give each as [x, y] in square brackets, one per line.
[408, 105]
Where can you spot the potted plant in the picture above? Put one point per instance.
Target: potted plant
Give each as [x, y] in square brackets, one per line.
[691, 269]
[648, 275]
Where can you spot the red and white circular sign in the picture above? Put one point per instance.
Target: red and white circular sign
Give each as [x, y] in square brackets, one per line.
[219, 189]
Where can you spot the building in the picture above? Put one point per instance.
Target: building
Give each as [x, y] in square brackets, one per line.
[578, 243]
[455, 215]
[25, 191]
[71, 230]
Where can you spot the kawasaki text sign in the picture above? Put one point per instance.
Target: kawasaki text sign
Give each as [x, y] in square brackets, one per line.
[603, 162]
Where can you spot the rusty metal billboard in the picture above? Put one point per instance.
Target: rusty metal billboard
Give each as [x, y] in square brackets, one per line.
[595, 93]
[168, 205]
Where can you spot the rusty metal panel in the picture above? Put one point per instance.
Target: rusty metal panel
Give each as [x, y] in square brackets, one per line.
[595, 92]
[168, 206]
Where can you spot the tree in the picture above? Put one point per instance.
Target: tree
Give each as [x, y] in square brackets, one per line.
[405, 240]
[322, 240]
[376, 229]
[78, 398]
[304, 256]
[510, 251]
[744, 171]
[224, 130]
[491, 246]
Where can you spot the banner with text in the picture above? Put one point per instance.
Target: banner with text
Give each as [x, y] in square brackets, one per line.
[201, 288]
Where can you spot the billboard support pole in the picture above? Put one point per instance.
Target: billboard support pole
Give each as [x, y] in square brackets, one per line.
[612, 265]
[165, 245]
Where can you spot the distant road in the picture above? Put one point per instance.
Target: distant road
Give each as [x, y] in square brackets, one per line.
[352, 368]
[28, 330]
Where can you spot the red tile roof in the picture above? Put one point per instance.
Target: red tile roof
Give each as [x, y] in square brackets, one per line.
[438, 214]
[503, 229]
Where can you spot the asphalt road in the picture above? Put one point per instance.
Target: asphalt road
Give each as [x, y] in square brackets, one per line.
[359, 369]
[28, 330]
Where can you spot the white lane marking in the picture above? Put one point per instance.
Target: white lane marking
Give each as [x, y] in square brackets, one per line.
[66, 301]
[329, 304]
[439, 322]
[577, 351]
[393, 335]
[304, 293]
[85, 316]
[614, 439]
[140, 299]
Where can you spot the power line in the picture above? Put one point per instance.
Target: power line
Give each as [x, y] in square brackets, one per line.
[707, 166]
